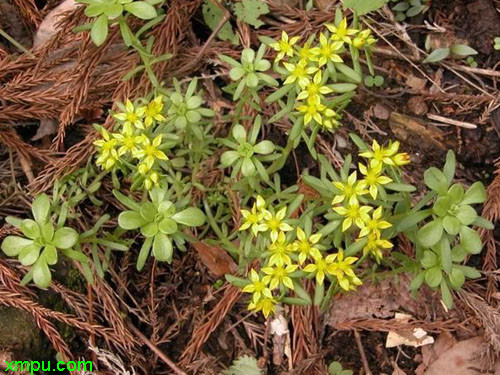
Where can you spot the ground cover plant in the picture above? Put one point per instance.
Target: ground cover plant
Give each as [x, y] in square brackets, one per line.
[248, 178]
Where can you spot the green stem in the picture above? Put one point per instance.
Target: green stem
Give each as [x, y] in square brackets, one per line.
[16, 44]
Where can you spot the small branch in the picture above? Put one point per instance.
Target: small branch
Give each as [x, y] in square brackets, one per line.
[450, 121]
[155, 350]
[362, 353]
[222, 22]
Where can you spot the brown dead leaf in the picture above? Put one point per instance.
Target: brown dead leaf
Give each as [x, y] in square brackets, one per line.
[380, 300]
[430, 353]
[417, 105]
[460, 359]
[416, 83]
[381, 111]
[216, 259]
[48, 27]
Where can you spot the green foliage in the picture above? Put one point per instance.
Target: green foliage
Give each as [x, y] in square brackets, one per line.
[249, 11]
[245, 155]
[245, 365]
[472, 62]
[362, 7]
[336, 368]
[186, 109]
[459, 51]
[41, 242]
[371, 81]
[447, 237]
[249, 73]
[212, 15]
[112, 11]
[409, 8]
[496, 42]
[160, 221]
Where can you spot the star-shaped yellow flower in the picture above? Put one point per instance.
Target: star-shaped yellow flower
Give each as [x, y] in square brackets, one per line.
[354, 214]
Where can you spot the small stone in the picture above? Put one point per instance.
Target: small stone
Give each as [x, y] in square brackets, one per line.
[417, 105]
[381, 111]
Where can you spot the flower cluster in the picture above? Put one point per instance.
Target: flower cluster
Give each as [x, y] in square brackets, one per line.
[351, 201]
[133, 143]
[313, 69]
[289, 254]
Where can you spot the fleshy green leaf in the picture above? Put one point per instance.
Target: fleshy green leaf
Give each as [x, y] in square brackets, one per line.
[41, 274]
[466, 214]
[431, 233]
[228, 158]
[438, 54]
[463, 50]
[475, 194]
[99, 30]
[29, 254]
[130, 220]
[264, 147]
[167, 226]
[457, 278]
[30, 228]
[433, 277]
[141, 10]
[470, 239]
[162, 248]
[65, 238]
[192, 217]
[446, 294]
[451, 225]
[436, 180]
[41, 208]
[12, 245]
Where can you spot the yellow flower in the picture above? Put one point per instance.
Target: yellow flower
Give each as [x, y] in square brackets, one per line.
[280, 250]
[284, 46]
[353, 214]
[266, 305]
[151, 180]
[306, 246]
[149, 153]
[312, 110]
[376, 245]
[327, 51]
[350, 190]
[305, 53]
[152, 111]
[279, 275]
[129, 143]
[298, 72]
[132, 117]
[379, 155]
[374, 224]
[341, 32]
[373, 179]
[108, 155]
[342, 270]
[313, 89]
[274, 223]
[364, 38]
[253, 218]
[330, 119]
[401, 159]
[258, 287]
[320, 267]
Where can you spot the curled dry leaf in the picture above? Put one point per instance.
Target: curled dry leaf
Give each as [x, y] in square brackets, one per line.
[217, 260]
[416, 337]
